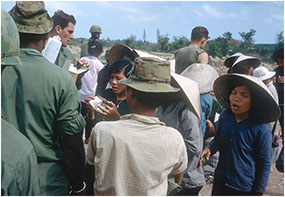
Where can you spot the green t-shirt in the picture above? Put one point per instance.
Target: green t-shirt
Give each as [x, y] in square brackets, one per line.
[185, 57]
[41, 101]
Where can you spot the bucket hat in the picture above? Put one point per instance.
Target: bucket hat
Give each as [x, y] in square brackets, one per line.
[31, 17]
[246, 60]
[191, 90]
[265, 107]
[203, 74]
[150, 75]
[231, 59]
[10, 44]
[118, 51]
[263, 73]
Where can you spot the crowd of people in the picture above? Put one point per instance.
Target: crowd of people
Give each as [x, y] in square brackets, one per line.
[155, 130]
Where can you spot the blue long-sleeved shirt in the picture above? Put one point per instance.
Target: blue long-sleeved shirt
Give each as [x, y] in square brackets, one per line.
[245, 152]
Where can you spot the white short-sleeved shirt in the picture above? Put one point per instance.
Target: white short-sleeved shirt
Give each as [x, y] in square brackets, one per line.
[134, 156]
[89, 80]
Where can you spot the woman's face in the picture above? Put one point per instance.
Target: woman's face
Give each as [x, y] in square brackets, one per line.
[117, 87]
[240, 101]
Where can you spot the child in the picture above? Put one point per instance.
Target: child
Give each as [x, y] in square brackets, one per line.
[243, 136]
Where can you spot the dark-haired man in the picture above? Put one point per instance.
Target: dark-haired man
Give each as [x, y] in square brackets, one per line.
[63, 26]
[193, 53]
[134, 155]
[41, 101]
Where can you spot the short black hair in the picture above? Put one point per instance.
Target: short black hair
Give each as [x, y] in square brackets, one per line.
[94, 48]
[26, 38]
[253, 93]
[62, 19]
[278, 53]
[121, 65]
[198, 33]
[150, 100]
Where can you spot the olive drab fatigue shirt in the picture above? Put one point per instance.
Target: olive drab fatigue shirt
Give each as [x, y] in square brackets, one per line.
[41, 101]
[19, 168]
[65, 58]
[185, 57]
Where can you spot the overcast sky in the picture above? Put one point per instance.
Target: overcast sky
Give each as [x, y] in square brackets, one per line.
[120, 19]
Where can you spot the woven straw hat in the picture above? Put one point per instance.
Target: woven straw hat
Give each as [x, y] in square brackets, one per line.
[191, 90]
[231, 60]
[150, 75]
[265, 107]
[118, 51]
[203, 74]
[263, 73]
[246, 60]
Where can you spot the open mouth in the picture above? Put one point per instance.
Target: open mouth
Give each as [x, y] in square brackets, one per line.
[235, 107]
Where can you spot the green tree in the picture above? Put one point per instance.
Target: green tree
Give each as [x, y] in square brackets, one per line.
[227, 35]
[248, 40]
[131, 41]
[144, 36]
[179, 42]
[157, 34]
[280, 39]
[163, 43]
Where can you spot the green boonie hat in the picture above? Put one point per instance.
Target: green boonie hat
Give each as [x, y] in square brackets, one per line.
[150, 75]
[31, 17]
[95, 28]
[10, 43]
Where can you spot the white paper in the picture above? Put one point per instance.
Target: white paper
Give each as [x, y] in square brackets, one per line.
[94, 103]
[50, 52]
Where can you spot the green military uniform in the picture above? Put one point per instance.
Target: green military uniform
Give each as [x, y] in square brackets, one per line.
[84, 47]
[19, 170]
[84, 50]
[185, 57]
[65, 58]
[42, 102]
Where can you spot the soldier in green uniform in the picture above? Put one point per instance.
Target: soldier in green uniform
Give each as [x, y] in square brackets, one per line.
[95, 31]
[63, 26]
[193, 53]
[19, 169]
[41, 101]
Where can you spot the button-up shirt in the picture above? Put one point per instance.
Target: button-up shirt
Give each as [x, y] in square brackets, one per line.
[245, 152]
[134, 155]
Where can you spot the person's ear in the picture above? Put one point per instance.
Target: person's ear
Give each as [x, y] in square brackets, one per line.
[57, 29]
[203, 41]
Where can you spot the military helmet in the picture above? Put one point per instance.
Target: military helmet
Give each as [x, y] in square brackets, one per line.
[31, 17]
[95, 28]
[10, 43]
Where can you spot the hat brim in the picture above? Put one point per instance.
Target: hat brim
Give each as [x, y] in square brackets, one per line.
[149, 86]
[118, 51]
[266, 108]
[268, 75]
[191, 89]
[246, 60]
[231, 60]
[11, 61]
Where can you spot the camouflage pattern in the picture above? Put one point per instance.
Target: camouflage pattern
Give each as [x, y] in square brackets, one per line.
[31, 17]
[150, 75]
[10, 43]
[95, 28]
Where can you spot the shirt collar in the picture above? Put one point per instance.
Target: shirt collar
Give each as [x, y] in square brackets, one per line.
[30, 51]
[142, 118]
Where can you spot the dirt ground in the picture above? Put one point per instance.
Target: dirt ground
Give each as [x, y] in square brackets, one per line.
[275, 185]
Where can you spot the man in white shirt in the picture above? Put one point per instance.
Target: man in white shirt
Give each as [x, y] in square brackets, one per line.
[134, 155]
